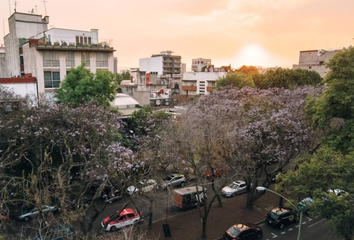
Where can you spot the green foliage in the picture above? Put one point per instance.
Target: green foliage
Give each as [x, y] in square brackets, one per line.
[80, 87]
[117, 78]
[287, 78]
[126, 75]
[236, 79]
[327, 170]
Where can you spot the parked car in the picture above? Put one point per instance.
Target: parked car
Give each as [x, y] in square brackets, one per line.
[234, 189]
[218, 172]
[281, 216]
[189, 196]
[304, 204]
[145, 185]
[126, 218]
[243, 231]
[337, 192]
[35, 212]
[174, 180]
[111, 194]
[58, 233]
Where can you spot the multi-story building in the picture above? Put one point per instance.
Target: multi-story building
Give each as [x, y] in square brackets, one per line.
[48, 55]
[315, 60]
[194, 83]
[167, 66]
[200, 64]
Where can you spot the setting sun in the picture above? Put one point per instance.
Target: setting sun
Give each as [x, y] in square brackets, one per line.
[253, 55]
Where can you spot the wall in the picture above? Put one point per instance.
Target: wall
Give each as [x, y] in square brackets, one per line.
[153, 64]
[201, 77]
[68, 35]
[3, 67]
[22, 89]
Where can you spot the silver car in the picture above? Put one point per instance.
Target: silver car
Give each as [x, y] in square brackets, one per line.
[35, 212]
[174, 180]
[234, 189]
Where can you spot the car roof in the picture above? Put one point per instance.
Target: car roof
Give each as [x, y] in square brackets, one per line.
[239, 182]
[173, 175]
[126, 211]
[280, 210]
[241, 227]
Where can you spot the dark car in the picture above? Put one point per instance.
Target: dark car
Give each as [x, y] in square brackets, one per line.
[243, 231]
[58, 233]
[281, 216]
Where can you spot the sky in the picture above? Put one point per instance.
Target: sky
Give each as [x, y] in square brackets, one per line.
[264, 33]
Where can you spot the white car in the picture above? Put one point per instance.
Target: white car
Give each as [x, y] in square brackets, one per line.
[145, 186]
[234, 189]
[35, 212]
[174, 180]
[337, 192]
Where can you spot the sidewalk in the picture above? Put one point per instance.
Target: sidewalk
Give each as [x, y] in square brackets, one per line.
[187, 225]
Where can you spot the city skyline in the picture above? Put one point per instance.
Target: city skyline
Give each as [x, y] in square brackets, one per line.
[262, 32]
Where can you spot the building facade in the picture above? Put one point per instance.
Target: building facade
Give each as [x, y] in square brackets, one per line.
[48, 55]
[200, 64]
[167, 66]
[195, 83]
[315, 60]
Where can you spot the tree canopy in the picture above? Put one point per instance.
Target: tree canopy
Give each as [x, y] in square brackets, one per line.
[236, 79]
[80, 86]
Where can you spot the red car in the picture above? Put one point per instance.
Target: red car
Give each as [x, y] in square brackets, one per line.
[218, 172]
[126, 218]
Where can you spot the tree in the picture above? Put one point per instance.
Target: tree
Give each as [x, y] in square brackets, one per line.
[257, 132]
[61, 156]
[126, 75]
[80, 86]
[331, 166]
[236, 79]
[316, 175]
[288, 78]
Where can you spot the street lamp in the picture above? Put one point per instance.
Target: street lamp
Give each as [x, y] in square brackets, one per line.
[259, 188]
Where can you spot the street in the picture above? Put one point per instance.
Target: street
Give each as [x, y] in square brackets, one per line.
[312, 229]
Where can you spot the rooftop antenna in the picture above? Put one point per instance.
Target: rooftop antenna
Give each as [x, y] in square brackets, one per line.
[9, 7]
[36, 8]
[45, 7]
[15, 5]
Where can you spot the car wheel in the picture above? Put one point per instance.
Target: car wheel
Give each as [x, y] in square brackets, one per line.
[183, 184]
[113, 229]
[259, 236]
[26, 219]
[281, 226]
[233, 195]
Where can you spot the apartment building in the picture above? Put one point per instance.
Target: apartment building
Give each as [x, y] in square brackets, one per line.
[167, 66]
[49, 54]
[315, 60]
[200, 64]
[195, 83]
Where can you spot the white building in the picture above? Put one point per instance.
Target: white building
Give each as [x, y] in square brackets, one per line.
[315, 60]
[194, 83]
[49, 55]
[200, 64]
[21, 86]
[167, 66]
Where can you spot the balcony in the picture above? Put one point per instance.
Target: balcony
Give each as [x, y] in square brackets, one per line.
[210, 89]
[189, 88]
[40, 44]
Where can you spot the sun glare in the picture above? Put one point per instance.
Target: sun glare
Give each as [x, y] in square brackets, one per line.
[253, 55]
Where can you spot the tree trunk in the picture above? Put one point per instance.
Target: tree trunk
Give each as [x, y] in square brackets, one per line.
[150, 213]
[204, 227]
[219, 200]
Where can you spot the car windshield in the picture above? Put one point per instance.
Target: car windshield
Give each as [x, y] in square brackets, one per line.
[234, 185]
[168, 178]
[234, 231]
[273, 216]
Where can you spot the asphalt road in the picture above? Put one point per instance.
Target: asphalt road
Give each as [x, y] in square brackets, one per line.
[312, 229]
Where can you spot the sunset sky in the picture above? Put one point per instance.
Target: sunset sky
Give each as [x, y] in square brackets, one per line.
[252, 32]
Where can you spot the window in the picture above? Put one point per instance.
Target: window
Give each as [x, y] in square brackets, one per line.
[85, 39]
[122, 218]
[89, 40]
[85, 57]
[77, 39]
[81, 40]
[51, 79]
[131, 215]
[102, 60]
[70, 60]
[50, 59]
